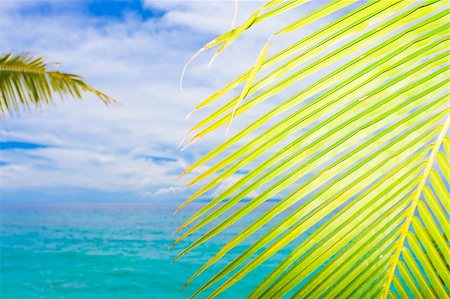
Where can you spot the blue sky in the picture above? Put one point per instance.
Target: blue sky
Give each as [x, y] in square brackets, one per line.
[134, 51]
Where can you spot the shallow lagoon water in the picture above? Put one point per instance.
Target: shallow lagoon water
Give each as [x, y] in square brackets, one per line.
[105, 251]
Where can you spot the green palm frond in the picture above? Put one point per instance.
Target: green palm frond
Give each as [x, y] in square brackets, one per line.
[27, 81]
[358, 159]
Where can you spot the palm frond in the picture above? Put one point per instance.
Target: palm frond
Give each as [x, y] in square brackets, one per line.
[27, 81]
[358, 160]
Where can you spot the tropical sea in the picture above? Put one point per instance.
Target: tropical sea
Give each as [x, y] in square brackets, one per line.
[107, 250]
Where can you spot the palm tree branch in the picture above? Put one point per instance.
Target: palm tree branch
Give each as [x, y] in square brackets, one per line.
[340, 221]
[372, 173]
[442, 100]
[343, 160]
[433, 90]
[311, 204]
[31, 81]
[277, 135]
[404, 38]
[333, 57]
[372, 9]
[415, 201]
[272, 60]
[336, 223]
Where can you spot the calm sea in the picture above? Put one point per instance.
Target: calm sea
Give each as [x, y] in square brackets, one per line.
[104, 251]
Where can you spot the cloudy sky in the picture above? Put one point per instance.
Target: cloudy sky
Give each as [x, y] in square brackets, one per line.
[135, 52]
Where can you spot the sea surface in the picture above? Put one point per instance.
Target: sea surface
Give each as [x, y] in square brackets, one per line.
[106, 250]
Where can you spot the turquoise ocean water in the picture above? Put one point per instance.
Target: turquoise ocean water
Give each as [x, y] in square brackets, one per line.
[104, 251]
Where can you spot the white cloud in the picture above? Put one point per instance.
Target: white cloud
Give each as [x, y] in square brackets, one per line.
[71, 168]
[204, 16]
[166, 191]
[136, 61]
